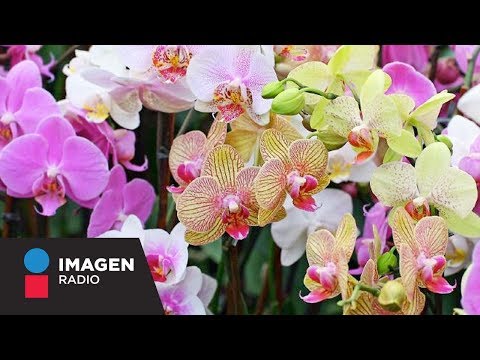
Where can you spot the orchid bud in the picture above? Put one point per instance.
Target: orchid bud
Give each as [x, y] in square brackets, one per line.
[392, 296]
[446, 140]
[271, 90]
[289, 102]
[387, 262]
[330, 139]
[447, 71]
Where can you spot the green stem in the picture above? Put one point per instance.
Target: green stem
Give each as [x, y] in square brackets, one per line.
[356, 293]
[467, 84]
[329, 96]
[186, 122]
[309, 136]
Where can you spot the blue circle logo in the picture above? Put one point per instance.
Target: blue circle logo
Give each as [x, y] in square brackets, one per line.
[36, 260]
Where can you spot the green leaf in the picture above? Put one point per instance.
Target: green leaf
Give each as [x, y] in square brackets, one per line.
[406, 144]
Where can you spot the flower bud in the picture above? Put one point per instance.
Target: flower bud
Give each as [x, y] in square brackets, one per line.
[392, 296]
[271, 90]
[446, 140]
[289, 102]
[387, 262]
[447, 71]
[330, 139]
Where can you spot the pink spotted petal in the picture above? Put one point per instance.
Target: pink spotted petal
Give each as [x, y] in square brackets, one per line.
[84, 168]
[138, 199]
[439, 285]
[56, 130]
[37, 105]
[23, 76]
[315, 296]
[22, 162]
[406, 80]
[238, 231]
[105, 213]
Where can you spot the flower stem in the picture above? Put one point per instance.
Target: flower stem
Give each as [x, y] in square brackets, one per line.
[262, 299]
[433, 63]
[467, 83]
[186, 122]
[165, 134]
[216, 297]
[356, 293]
[275, 272]
[235, 302]
[303, 88]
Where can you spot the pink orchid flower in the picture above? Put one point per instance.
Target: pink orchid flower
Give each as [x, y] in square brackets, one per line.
[328, 256]
[119, 200]
[18, 53]
[415, 55]
[190, 296]
[167, 254]
[188, 153]
[422, 249]
[119, 143]
[53, 163]
[376, 216]
[23, 102]
[229, 79]
[463, 53]
[471, 285]
[408, 81]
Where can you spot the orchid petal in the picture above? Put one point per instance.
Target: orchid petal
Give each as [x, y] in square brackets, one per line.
[274, 145]
[270, 184]
[223, 163]
[343, 114]
[309, 156]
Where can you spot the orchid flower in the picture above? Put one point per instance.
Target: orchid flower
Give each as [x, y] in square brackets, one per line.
[291, 52]
[448, 74]
[167, 254]
[342, 166]
[119, 143]
[18, 53]
[297, 168]
[291, 233]
[52, 163]
[463, 53]
[119, 200]
[229, 79]
[104, 57]
[190, 296]
[328, 256]
[465, 137]
[459, 253]
[246, 134]
[220, 200]
[431, 182]
[469, 104]
[367, 304]
[417, 56]
[23, 102]
[188, 154]
[471, 285]
[377, 217]
[379, 117]
[422, 249]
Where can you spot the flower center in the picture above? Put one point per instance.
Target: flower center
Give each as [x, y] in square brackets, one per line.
[52, 172]
[160, 267]
[338, 168]
[297, 184]
[230, 99]
[429, 266]
[168, 310]
[171, 61]
[418, 208]
[97, 111]
[326, 276]
[5, 132]
[7, 118]
[292, 52]
[234, 215]
[362, 139]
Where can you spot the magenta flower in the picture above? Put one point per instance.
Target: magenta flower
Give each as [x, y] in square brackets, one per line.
[408, 81]
[119, 200]
[471, 285]
[448, 74]
[23, 102]
[53, 163]
[378, 216]
[18, 53]
[415, 55]
[463, 53]
[229, 79]
[190, 296]
[119, 144]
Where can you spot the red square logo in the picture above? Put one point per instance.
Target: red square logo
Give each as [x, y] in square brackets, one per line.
[36, 286]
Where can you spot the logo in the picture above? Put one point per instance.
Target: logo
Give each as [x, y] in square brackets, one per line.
[36, 261]
[76, 276]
